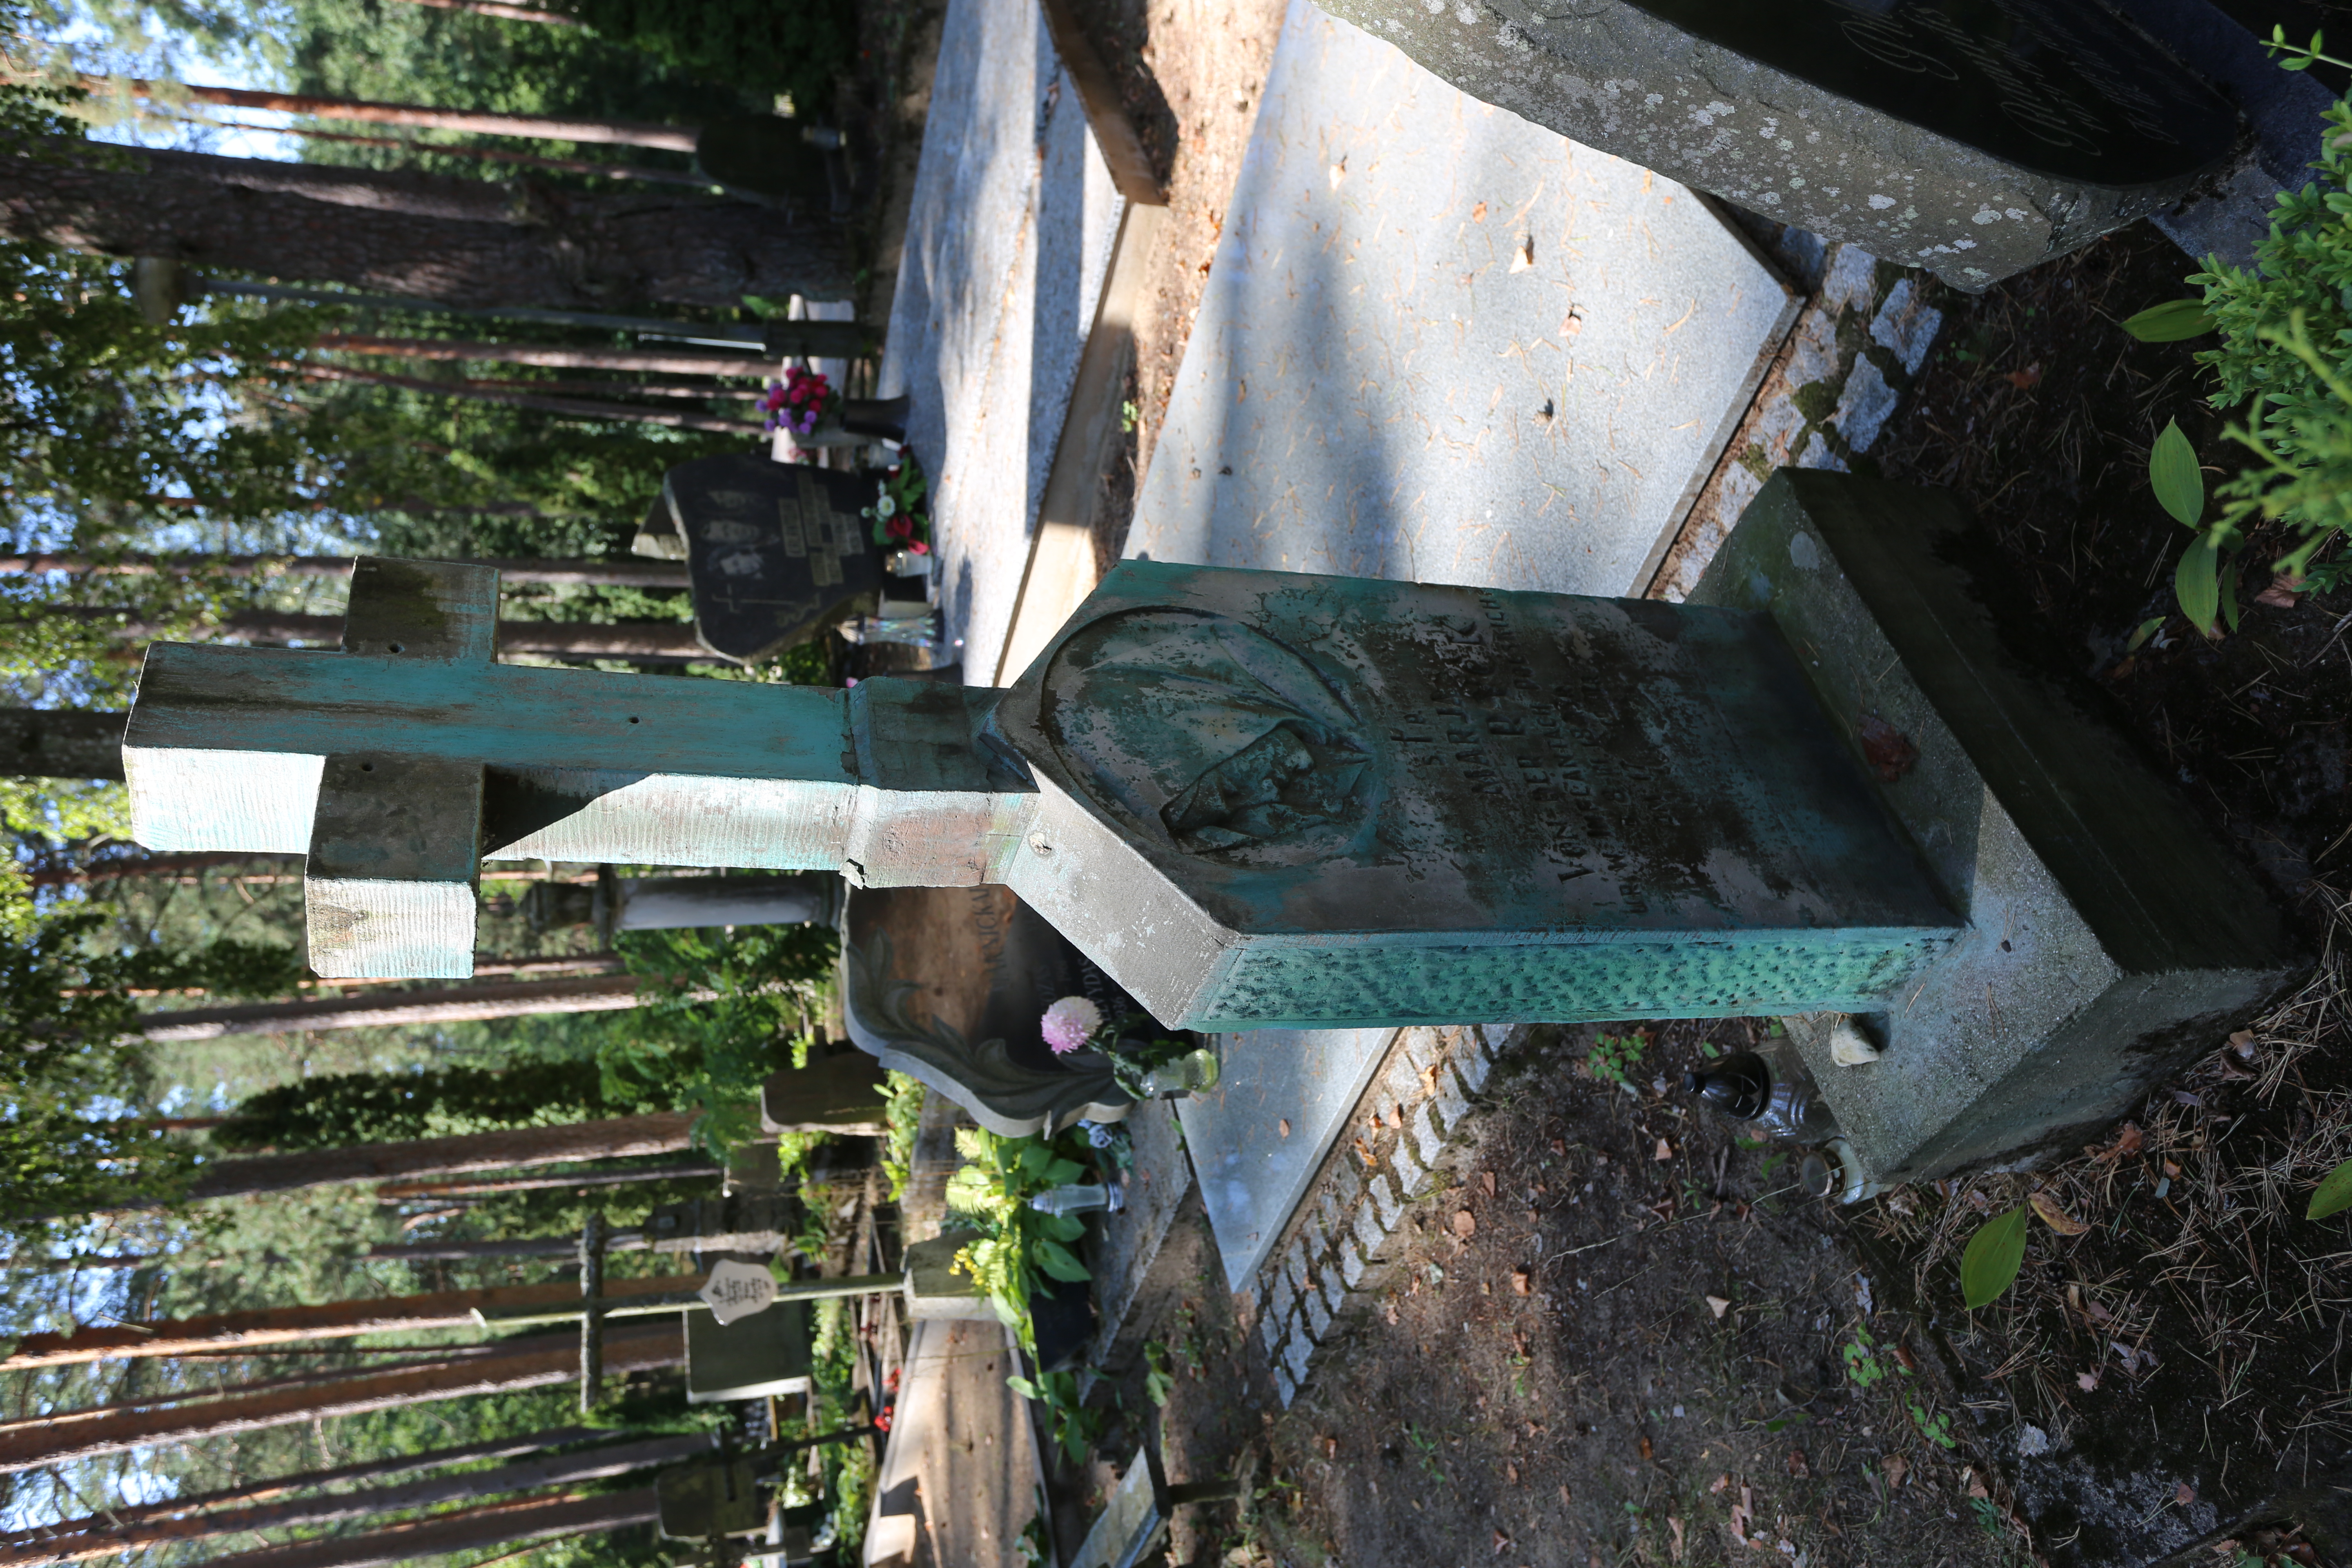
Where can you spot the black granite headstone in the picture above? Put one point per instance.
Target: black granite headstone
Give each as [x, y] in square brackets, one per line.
[775, 551]
[1970, 137]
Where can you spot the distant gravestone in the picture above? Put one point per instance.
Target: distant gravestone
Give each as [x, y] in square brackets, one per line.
[1258, 800]
[1973, 138]
[776, 553]
[766, 1353]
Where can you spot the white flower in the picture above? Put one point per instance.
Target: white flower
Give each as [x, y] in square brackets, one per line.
[885, 509]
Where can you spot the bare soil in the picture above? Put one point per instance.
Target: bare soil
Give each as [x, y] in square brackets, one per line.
[1615, 1336]
[1191, 72]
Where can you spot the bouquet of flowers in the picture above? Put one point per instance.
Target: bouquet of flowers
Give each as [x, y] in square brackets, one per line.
[1146, 1070]
[897, 512]
[799, 402]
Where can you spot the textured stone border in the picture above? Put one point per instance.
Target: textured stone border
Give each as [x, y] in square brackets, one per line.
[1857, 348]
[1341, 1240]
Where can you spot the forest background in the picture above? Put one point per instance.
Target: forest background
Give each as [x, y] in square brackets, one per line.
[222, 429]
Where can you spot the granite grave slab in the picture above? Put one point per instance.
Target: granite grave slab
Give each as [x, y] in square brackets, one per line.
[1441, 344]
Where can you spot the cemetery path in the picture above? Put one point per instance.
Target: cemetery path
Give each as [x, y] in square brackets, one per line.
[1612, 1337]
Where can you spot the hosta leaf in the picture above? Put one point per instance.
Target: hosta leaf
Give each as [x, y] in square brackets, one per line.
[1993, 1256]
[2197, 585]
[2170, 322]
[1059, 1261]
[2334, 1193]
[2173, 475]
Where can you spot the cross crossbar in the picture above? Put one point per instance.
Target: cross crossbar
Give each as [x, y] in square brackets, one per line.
[401, 761]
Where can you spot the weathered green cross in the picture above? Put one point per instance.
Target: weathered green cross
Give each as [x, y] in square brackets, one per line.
[401, 762]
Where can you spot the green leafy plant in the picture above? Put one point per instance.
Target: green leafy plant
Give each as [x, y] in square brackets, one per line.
[722, 1011]
[2284, 356]
[902, 1112]
[1990, 1263]
[1613, 1057]
[2334, 1193]
[1158, 1376]
[1076, 1428]
[1936, 1427]
[1860, 1357]
[1018, 1248]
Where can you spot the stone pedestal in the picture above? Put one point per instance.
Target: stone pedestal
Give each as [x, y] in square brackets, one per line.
[2108, 937]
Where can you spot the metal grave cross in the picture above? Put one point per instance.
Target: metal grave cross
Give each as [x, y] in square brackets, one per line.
[402, 761]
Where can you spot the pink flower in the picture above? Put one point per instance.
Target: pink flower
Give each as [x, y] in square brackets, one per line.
[1070, 1023]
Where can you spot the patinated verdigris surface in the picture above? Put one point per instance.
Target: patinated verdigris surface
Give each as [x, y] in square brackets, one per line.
[1971, 139]
[1270, 798]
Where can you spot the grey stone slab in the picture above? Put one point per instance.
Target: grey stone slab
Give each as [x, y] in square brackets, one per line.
[1441, 344]
[1252, 1172]
[1128, 1244]
[1390, 1209]
[1973, 140]
[1425, 1135]
[2108, 937]
[1472, 1061]
[1862, 406]
[1905, 325]
[1318, 1317]
[1008, 238]
[1351, 1264]
[1369, 1229]
[1411, 1177]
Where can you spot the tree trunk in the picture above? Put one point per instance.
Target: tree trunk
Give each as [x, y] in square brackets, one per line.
[500, 9]
[467, 1529]
[180, 866]
[439, 1004]
[103, 1538]
[537, 1361]
[317, 1320]
[618, 1138]
[571, 251]
[489, 154]
[260, 1491]
[410, 1192]
[659, 362]
[618, 572]
[576, 407]
[460, 1251]
[465, 121]
[62, 742]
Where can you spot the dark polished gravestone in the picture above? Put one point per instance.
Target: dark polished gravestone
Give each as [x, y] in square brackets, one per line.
[776, 553]
[1260, 799]
[1973, 138]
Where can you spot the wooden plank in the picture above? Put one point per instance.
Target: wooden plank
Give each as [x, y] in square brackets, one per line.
[1105, 109]
[1061, 568]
